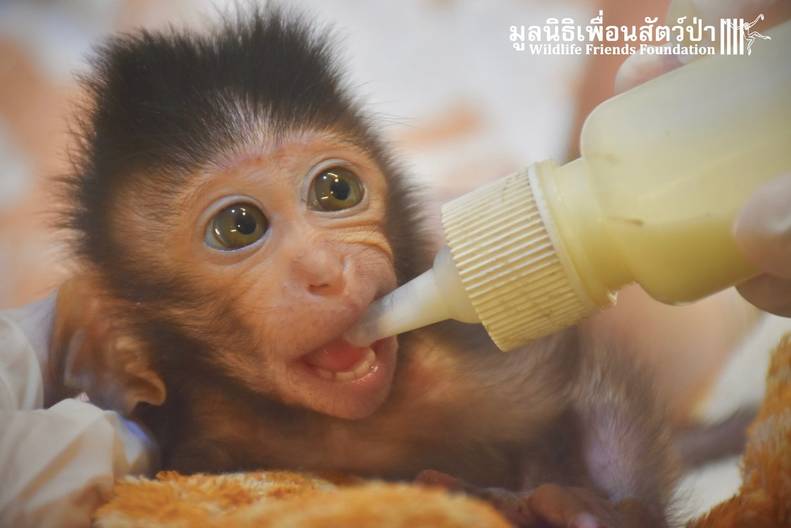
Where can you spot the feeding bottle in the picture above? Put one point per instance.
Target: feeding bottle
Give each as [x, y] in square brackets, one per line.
[664, 169]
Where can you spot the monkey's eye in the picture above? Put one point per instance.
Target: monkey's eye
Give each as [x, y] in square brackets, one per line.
[335, 189]
[236, 226]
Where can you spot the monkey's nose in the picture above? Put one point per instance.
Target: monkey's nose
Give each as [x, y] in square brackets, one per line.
[322, 272]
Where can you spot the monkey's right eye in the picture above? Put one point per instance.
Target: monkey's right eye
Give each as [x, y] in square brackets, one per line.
[236, 226]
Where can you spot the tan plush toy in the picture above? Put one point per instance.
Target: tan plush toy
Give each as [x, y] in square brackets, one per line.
[280, 499]
[764, 499]
[270, 499]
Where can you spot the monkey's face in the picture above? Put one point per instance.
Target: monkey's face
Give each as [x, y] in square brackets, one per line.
[289, 241]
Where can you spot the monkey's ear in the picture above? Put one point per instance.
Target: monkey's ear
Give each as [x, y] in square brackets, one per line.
[95, 353]
[133, 376]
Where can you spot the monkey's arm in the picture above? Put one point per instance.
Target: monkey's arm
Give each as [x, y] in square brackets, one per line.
[625, 442]
[606, 461]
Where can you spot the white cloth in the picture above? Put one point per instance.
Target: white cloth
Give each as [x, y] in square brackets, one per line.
[57, 465]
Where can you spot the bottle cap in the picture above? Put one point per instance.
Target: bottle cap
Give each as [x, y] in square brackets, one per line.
[511, 261]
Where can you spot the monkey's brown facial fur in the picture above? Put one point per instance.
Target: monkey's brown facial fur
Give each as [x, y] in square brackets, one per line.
[289, 238]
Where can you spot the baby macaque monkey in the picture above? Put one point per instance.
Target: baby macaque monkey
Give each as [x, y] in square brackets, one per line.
[235, 213]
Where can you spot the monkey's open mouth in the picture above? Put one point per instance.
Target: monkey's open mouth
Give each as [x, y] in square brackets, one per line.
[339, 360]
[345, 381]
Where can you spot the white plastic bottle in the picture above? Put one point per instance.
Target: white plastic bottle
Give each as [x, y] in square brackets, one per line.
[665, 168]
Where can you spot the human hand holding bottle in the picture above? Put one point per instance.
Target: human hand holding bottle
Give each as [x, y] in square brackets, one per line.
[762, 229]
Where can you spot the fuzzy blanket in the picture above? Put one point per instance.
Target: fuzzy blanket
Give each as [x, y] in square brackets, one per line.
[282, 499]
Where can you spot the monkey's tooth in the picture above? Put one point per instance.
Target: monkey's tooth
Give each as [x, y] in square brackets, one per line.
[345, 376]
[365, 365]
[362, 368]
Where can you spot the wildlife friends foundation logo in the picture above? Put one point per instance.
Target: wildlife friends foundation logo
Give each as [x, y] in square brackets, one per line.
[689, 36]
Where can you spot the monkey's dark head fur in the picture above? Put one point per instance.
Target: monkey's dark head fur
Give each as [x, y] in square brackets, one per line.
[163, 104]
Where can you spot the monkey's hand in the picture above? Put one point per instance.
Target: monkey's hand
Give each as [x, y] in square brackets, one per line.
[548, 505]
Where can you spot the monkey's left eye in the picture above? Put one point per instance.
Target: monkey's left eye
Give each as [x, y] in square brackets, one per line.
[236, 226]
[335, 189]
